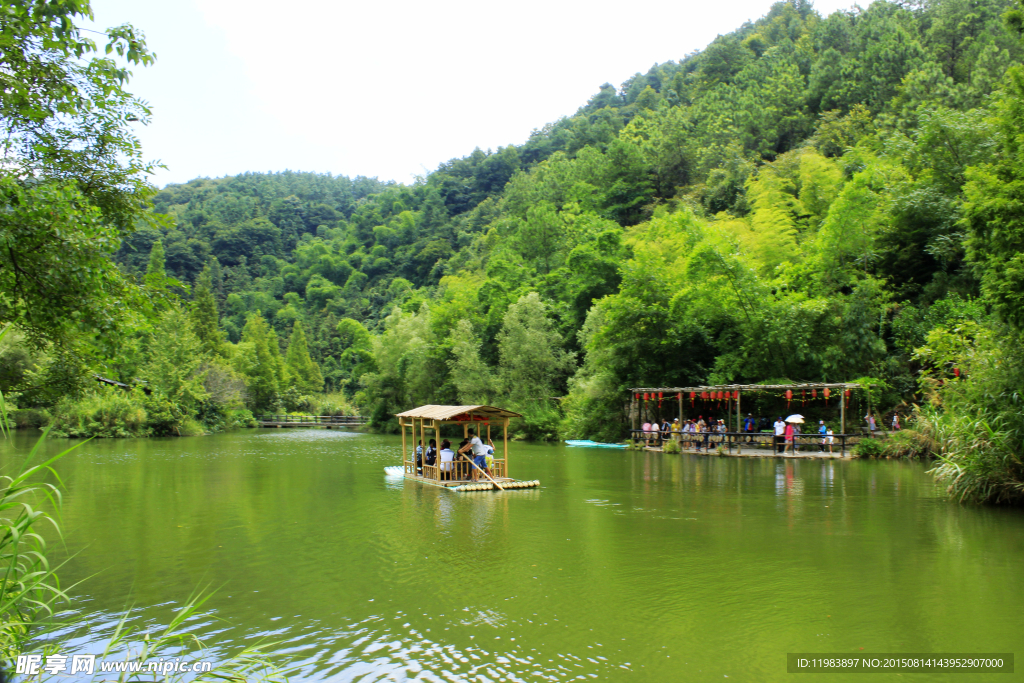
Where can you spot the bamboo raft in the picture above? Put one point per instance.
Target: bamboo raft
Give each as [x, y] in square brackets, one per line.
[456, 475]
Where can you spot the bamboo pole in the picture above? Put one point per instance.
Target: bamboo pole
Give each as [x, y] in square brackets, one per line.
[437, 444]
[500, 488]
[421, 437]
[505, 430]
[842, 416]
[405, 451]
[739, 415]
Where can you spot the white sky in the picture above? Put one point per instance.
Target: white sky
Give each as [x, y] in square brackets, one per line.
[387, 89]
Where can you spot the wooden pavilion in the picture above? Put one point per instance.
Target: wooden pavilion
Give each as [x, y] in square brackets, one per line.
[733, 393]
[425, 423]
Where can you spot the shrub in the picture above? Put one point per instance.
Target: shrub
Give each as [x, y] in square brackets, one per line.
[670, 446]
[104, 414]
[30, 418]
[976, 417]
[909, 443]
[331, 404]
[869, 448]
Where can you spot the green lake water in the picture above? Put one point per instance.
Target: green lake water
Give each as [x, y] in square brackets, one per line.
[622, 566]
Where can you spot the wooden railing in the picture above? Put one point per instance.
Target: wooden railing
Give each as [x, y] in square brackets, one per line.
[457, 470]
[807, 443]
[311, 420]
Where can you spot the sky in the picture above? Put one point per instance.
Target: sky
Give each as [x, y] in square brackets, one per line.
[391, 89]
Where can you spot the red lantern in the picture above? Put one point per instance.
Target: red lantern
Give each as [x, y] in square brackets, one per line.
[645, 396]
[956, 372]
[848, 392]
[703, 395]
[803, 397]
[789, 397]
[826, 392]
[814, 393]
[693, 396]
[661, 394]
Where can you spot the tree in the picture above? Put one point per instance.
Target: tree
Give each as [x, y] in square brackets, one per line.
[304, 372]
[175, 359]
[156, 271]
[73, 182]
[203, 315]
[532, 358]
[258, 362]
[994, 195]
[472, 377]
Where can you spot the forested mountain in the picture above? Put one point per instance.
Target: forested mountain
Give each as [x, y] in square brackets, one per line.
[783, 203]
[788, 202]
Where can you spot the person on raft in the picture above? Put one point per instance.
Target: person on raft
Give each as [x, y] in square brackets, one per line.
[479, 454]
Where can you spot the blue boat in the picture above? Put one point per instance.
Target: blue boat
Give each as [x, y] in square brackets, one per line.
[593, 444]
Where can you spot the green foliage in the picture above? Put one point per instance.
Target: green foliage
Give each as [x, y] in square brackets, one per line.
[870, 448]
[992, 210]
[175, 359]
[73, 181]
[304, 373]
[107, 413]
[203, 315]
[258, 358]
[754, 210]
[975, 418]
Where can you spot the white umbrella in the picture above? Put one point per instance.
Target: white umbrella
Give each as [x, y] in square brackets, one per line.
[795, 419]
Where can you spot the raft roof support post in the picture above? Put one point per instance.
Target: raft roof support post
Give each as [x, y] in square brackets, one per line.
[405, 451]
[739, 415]
[422, 437]
[842, 416]
[437, 445]
[505, 434]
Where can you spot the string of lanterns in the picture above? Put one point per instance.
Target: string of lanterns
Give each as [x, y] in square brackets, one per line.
[720, 396]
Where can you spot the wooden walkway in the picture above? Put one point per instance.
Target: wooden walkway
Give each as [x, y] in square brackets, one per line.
[325, 421]
[739, 445]
[805, 453]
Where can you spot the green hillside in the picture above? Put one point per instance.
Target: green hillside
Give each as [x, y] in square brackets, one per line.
[807, 198]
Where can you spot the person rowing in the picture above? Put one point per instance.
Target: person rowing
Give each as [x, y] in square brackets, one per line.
[479, 451]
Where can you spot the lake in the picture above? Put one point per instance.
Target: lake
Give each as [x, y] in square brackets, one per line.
[622, 566]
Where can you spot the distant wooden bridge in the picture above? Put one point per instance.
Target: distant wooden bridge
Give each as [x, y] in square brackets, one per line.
[326, 421]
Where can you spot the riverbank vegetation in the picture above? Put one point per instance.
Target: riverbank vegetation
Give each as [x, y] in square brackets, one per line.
[808, 198]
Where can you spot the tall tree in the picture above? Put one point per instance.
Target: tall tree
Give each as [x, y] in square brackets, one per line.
[304, 372]
[994, 208]
[203, 314]
[258, 362]
[156, 270]
[532, 357]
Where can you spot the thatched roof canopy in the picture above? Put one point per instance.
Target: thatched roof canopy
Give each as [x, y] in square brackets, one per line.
[458, 413]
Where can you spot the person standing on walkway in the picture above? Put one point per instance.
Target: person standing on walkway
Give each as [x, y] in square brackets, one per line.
[872, 425]
[822, 429]
[677, 433]
[780, 431]
[896, 422]
[788, 435]
[646, 431]
[748, 427]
